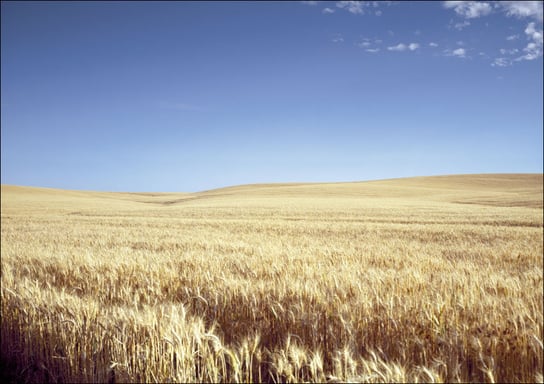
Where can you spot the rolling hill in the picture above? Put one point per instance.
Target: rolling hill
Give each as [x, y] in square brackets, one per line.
[423, 279]
[514, 190]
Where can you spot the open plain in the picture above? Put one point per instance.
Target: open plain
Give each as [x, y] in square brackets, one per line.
[418, 279]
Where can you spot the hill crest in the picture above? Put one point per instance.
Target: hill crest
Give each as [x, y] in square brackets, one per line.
[486, 189]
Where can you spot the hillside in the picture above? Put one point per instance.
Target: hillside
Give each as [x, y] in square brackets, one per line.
[424, 279]
[516, 190]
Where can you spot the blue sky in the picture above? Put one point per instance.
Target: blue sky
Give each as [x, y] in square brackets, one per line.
[188, 96]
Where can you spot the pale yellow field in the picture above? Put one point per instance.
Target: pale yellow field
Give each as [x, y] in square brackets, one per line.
[420, 279]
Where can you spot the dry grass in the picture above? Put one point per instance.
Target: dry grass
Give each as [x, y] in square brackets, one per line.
[422, 279]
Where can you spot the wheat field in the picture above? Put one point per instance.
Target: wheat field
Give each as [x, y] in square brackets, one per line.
[428, 279]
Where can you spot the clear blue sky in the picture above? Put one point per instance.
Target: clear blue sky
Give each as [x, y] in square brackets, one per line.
[187, 96]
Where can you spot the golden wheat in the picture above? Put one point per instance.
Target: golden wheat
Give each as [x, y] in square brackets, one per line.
[425, 279]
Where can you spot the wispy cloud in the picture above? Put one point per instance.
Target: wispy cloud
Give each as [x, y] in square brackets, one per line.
[364, 43]
[355, 7]
[533, 33]
[533, 50]
[459, 52]
[522, 9]
[501, 62]
[337, 38]
[475, 9]
[469, 9]
[403, 47]
[369, 45]
[358, 7]
[398, 47]
[432, 44]
[505, 51]
[461, 25]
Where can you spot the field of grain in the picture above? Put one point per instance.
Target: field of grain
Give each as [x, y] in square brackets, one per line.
[423, 279]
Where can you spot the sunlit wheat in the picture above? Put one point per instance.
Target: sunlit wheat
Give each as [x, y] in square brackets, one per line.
[417, 280]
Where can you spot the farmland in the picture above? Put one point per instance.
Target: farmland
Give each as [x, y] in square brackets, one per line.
[417, 279]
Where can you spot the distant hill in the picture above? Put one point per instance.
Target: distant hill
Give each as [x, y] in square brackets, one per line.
[520, 190]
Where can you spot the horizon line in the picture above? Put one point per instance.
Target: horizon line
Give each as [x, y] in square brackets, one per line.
[278, 183]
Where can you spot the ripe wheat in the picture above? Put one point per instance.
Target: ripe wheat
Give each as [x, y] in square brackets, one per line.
[429, 280]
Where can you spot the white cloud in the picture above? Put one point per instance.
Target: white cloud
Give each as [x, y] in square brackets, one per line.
[475, 9]
[460, 26]
[359, 7]
[355, 7]
[501, 62]
[398, 47]
[337, 38]
[432, 44]
[522, 9]
[469, 9]
[372, 50]
[459, 52]
[505, 51]
[533, 50]
[512, 37]
[533, 33]
[365, 42]
[403, 47]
